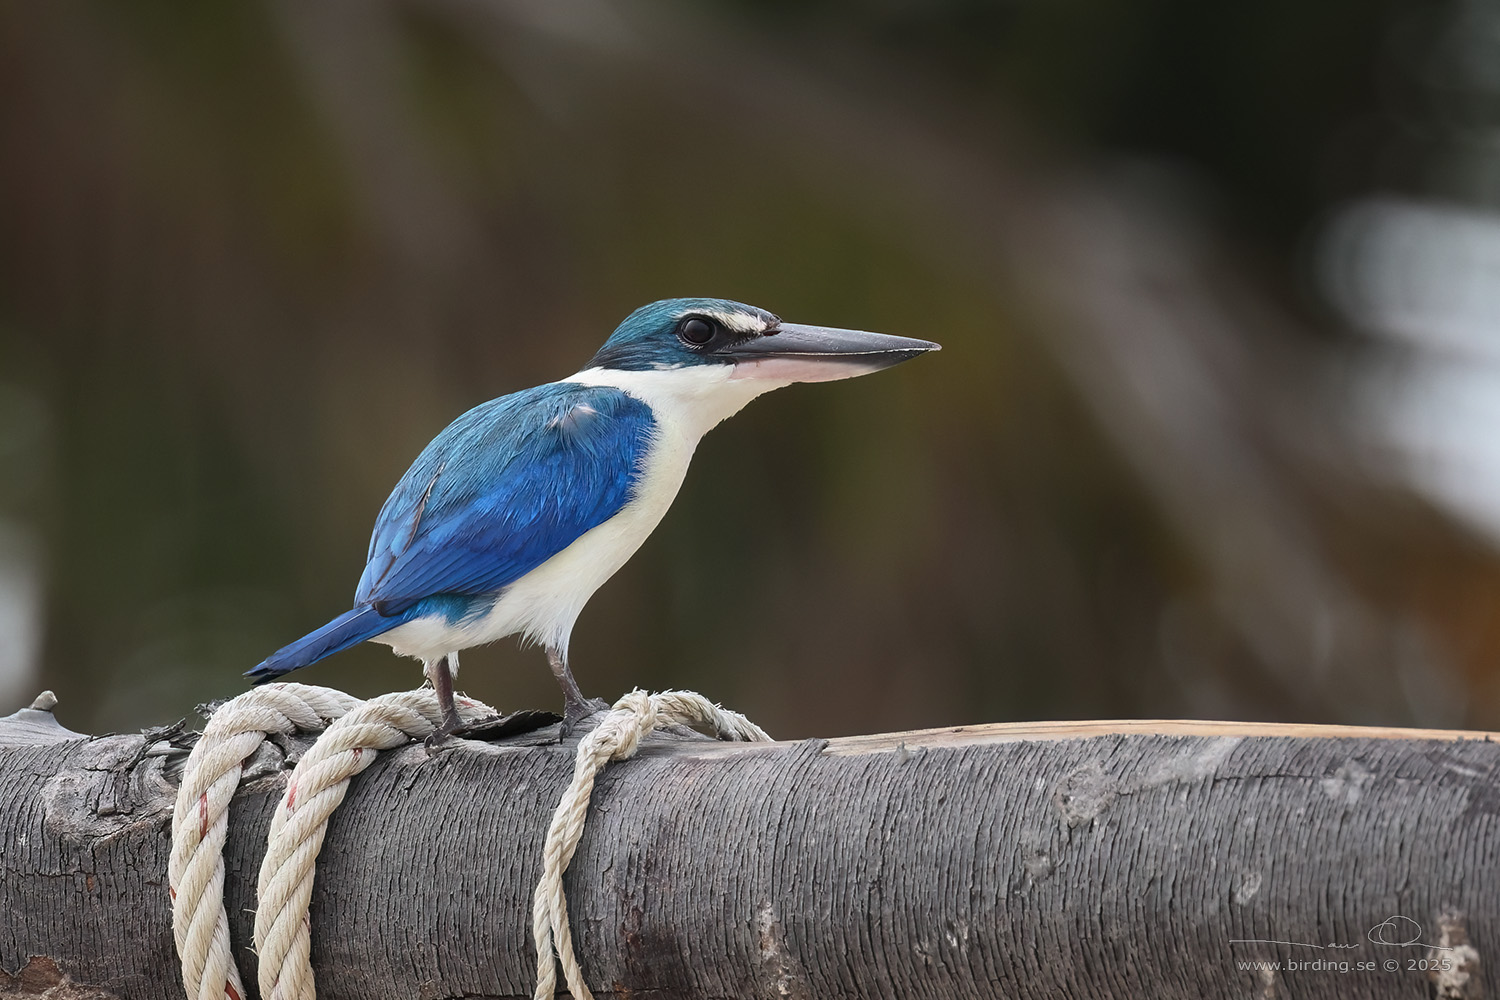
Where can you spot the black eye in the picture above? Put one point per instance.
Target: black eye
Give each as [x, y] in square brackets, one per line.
[697, 331]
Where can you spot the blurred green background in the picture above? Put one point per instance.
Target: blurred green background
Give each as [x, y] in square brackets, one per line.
[254, 256]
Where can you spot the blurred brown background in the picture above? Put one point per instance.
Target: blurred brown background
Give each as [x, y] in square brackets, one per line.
[1212, 434]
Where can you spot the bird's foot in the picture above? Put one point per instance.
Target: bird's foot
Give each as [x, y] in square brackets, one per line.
[445, 736]
[579, 710]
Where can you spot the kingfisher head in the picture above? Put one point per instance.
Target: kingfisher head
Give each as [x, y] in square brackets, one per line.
[731, 341]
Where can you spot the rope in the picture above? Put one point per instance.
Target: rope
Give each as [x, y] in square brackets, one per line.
[283, 936]
[616, 737]
[200, 822]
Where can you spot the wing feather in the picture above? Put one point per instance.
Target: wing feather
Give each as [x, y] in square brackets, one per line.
[504, 488]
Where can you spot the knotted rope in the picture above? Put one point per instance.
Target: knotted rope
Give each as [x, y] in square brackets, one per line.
[617, 737]
[200, 822]
[283, 936]
[358, 731]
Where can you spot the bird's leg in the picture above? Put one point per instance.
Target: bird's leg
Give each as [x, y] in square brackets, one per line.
[442, 681]
[575, 706]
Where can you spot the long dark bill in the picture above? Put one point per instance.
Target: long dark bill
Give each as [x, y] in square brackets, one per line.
[797, 353]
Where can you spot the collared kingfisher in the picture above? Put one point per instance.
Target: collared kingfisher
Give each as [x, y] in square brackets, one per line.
[521, 508]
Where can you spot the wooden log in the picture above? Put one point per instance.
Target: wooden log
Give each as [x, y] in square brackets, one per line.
[1095, 859]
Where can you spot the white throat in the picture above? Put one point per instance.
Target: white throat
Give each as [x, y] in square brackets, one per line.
[688, 401]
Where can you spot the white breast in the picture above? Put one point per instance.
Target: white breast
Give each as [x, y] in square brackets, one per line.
[544, 604]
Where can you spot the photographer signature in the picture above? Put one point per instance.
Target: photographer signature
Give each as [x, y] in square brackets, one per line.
[1392, 932]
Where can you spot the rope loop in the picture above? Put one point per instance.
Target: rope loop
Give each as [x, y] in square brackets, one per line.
[200, 822]
[617, 737]
[355, 733]
[283, 934]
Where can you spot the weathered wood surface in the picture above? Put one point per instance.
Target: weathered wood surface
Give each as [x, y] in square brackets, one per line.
[1043, 860]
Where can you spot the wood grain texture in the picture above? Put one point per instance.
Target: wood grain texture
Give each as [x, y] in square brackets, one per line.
[1065, 860]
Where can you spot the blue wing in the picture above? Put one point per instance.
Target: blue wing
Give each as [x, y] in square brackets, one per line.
[505, 487]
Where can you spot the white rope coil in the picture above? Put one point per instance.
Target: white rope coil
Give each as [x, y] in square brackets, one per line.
[617, 737]
[318, 784]
[200, 822]
[283, 937]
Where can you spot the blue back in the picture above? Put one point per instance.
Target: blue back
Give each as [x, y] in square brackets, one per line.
[502, 489]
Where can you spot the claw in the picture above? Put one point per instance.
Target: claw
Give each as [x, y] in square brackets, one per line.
[577, 711]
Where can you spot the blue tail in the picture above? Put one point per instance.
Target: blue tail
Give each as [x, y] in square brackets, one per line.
[346, 630]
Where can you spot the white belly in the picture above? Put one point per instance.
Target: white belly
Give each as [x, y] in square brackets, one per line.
[544, 604]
